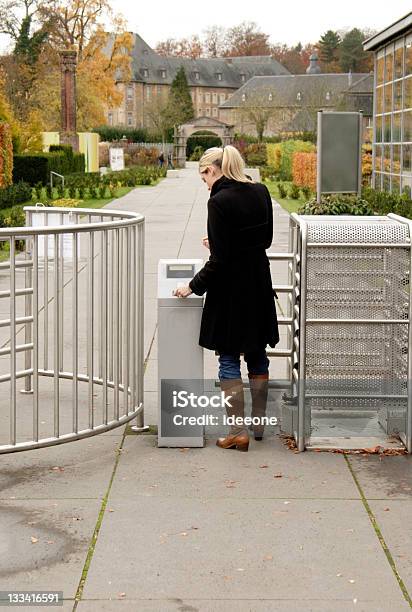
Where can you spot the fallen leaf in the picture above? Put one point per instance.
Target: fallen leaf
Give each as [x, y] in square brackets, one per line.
[351, 581]
[386, 509]
[278, 476]
[50, 541]
[122, 595]
[264, 465]
[58, 469]
[34, 540]
[268, 558]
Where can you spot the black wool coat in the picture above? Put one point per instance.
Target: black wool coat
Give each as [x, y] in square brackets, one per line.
[239, 313]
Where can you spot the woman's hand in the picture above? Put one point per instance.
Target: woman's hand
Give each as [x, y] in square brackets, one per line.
[205, 242]
[182, 291]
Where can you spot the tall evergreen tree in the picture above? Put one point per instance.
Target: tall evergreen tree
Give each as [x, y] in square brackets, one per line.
[352, 55]
[328, 46]
[180, 106]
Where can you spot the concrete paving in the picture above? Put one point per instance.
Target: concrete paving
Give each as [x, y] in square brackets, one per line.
[118, 524]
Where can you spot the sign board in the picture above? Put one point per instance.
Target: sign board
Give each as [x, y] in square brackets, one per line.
[339, 152]
[116, 159]
[66, 240]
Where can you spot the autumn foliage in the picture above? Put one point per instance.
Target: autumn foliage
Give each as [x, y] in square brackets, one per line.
[304, 169]
[6, 155]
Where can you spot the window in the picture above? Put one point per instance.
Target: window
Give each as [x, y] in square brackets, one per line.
[130, 92]
[299, 96]
[222, 98]
[163, 74]
[145, 72]
[207, 98]
[243, 78]
[197, 75]
[270, 97]
[219, 76]
[214, 98]
[243, 97]
[328, 96]
[129, 119]
[110, 118]
[199, 112]
[214, 112]
[208, 112]
[148, 92]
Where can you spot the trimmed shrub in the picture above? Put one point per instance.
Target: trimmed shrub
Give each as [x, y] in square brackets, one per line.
[294, 192]
[304, 169]
[280, 156]
[6, 155]
[255, 154]
[204, 139]
[35, 169]
[384, 202]
[15, 194]
[282, 191]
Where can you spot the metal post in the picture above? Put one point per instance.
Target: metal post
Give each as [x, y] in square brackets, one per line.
[35, 306]
[13, 416]
[28, 311]
[319, 159]
[360, 154]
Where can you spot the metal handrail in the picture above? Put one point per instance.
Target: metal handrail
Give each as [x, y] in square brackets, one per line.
[96, 270]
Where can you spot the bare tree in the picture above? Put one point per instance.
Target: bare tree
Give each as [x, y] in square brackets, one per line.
[258, 108]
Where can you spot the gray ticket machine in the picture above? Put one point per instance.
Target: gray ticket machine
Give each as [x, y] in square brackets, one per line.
[180, 358]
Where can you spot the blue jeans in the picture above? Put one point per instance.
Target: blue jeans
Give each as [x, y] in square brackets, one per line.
[229, 364]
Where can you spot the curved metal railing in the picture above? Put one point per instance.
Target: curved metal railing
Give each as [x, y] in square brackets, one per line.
[71, 326]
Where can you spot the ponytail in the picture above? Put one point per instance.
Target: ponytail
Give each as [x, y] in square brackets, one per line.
[233, 165]
[229, 160]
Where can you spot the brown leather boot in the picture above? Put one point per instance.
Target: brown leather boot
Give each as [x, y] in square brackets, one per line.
[238, 437]
[259, 391]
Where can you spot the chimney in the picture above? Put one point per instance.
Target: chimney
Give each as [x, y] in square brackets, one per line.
[313, 67]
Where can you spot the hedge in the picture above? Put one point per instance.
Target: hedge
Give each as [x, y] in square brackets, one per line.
[15, 194]
[280, 156]
[304, 169]
[36, 168]
[6, 155]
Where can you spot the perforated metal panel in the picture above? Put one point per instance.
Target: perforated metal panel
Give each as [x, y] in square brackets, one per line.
[352, 315]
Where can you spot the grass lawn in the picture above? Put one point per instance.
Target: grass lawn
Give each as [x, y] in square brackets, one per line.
[287, 203]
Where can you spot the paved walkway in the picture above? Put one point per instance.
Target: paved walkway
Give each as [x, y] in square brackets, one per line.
[124, 525]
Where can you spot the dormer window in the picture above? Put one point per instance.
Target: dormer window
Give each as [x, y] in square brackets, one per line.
[299, 96]
[163, 74]
[270, 97]
[145, 72]
[197, 75]
[243, 97]
[328, 96]
[219, 76]
[243, 78]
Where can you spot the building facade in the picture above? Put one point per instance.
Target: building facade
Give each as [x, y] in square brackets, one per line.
[211, 80]
[289, 103]
[392, 133]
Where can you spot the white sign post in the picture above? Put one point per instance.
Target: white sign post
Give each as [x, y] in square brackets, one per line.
[116, 159]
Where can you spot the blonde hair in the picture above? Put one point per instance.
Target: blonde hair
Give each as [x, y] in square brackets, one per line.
[228, 160]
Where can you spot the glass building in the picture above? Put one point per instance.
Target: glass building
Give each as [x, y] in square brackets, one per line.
[392, 133]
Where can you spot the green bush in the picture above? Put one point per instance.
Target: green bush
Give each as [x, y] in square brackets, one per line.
[384, 202]
[267, 173]
[287, 149]
[306, 192]
[337, 205]
[294, 192]
[36, 168]
[256, 154]
[282, 191]
[15, 194]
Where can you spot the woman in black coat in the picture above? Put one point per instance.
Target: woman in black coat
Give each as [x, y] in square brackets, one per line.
[239, 314]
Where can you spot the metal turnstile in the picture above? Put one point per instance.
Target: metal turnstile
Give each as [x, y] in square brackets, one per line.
[350, 333]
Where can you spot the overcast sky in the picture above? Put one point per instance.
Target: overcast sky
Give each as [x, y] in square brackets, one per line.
[289, 22]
